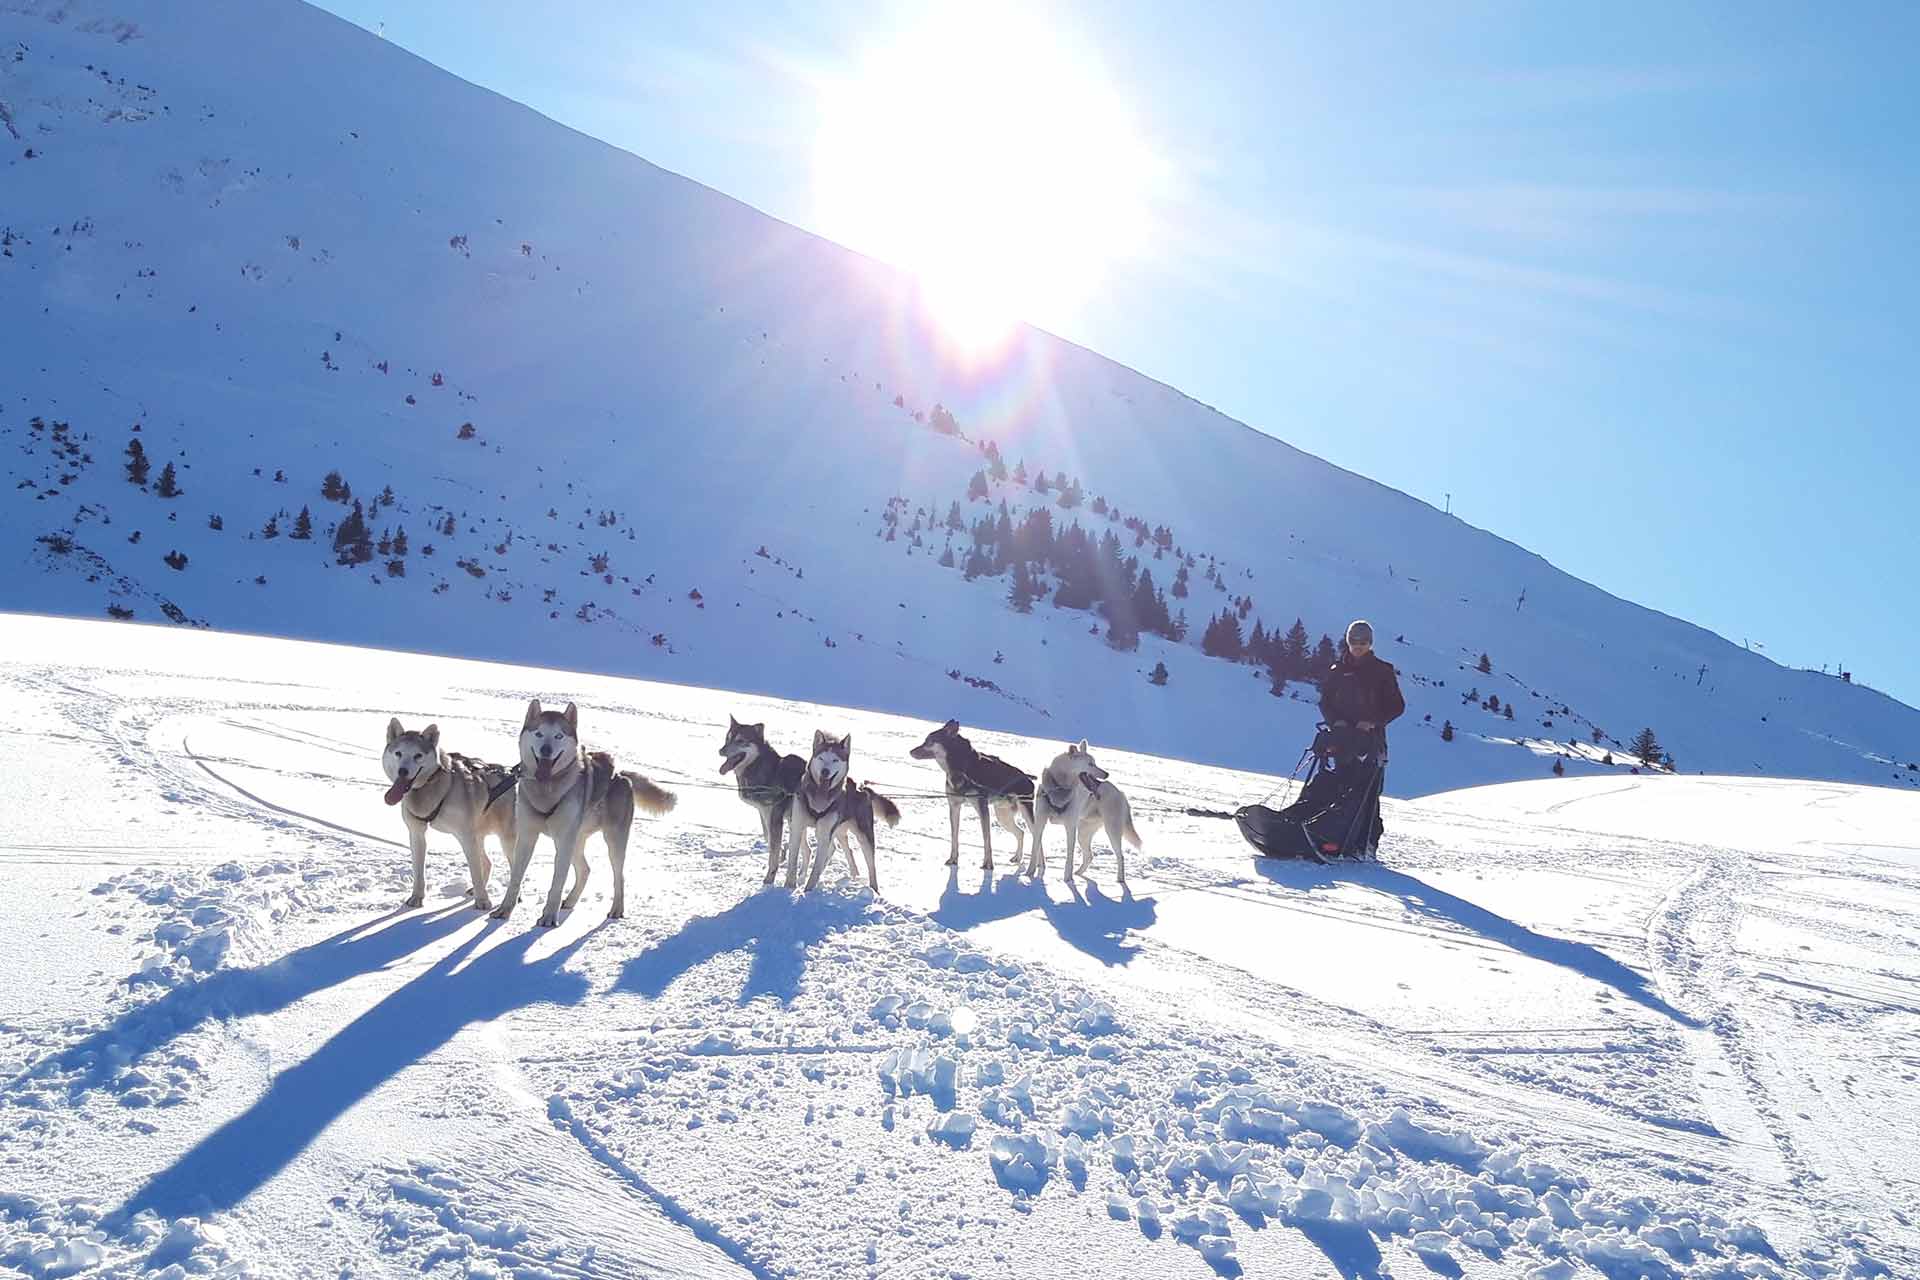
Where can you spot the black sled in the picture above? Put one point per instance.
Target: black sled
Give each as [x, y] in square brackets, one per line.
[1333, 816]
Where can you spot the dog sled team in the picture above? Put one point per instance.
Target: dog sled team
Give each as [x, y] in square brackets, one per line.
[567, 793]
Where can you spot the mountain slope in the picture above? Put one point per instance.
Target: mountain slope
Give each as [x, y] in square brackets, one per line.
[280, 245]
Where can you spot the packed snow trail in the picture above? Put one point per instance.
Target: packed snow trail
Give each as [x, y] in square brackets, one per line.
[1556, 1035]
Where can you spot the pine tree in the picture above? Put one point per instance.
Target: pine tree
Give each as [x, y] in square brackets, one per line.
[955, 520]
[351, 542]
[977, 487]
[400, 541]
[1159, 675]
[1324, 656]
[1509, 711]
[1020, 471]
[302, 526]
[166, 486]
[1294, 652]
[1645, 746]
[137, 463]
[1559, 770]
[333, 487]
[1020, 594]
[272, 527]
[1446, 731]
[1222, 638]
[1040, 484]
[946, 558]
[1486, 665]
[447, 527]
[386, 498]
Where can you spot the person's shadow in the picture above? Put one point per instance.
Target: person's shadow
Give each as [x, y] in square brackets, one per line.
[239, 993]
[406, 1026]
[1092, 922]
[1439, 905]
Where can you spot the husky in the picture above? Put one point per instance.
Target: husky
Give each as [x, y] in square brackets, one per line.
[463, 797]
[828, 804]
[767, 781]
[1074, 792]
[975, 778]
[568, 794]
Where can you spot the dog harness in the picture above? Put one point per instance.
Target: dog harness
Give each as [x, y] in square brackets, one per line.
[1058, 797]
[598, 775]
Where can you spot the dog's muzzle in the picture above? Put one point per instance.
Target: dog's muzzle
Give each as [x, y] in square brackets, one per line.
[732, 762]
[402, 783]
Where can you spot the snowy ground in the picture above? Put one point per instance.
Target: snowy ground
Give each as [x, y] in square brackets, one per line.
[1613, 1026]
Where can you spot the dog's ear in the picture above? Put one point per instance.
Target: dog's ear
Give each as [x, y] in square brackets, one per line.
[846, 746]
[1083, 748]
[758, 730]
[393, 730]
[572, 716]
[432, 734]
[820, 740]
[951, 726]
[533, 714]
[732, 724]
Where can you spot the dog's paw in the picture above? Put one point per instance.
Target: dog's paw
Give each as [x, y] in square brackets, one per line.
[502, 911]
[617, 913]
[548, 921]
[954, 861]
[481, 904]
[415, 900]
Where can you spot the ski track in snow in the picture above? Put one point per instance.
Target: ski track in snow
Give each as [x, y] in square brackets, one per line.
[1514, 1051]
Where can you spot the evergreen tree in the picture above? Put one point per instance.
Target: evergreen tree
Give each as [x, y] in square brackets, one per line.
[333, 487]
[1509, 711]
[1020, 594]
[400, 541]
[1294, 654]
[447, 527]
[302, 526]
[1324, 656]
[946, 558]
[167, 486]
[1040, 484]
[1180, 582]
[1446, 731]
[977, 487]
[1099, 504]
[1645, 746]
[1222, 638]
[1020, 471]
[955, 520]
[351, 542]
[137, 463]
[1559, 770]
[1071, 495]
[271, 528]
[1486, 665]
[1159, 675]
[386, 498]
[1178, 631]
[1257, 644]
[998, 468]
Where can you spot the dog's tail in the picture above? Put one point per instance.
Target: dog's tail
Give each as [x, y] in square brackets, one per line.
[1128, 831]
[648, 798]
[884, 809]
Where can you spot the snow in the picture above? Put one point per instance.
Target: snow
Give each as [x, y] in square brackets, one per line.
[1594, 1047]
[279, 244]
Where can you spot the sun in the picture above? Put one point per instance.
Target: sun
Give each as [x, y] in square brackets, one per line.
[989, 157]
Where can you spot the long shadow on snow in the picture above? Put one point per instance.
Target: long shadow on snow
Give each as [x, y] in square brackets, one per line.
[238, 993]
[1438, 904]
[1092, 922]
[777, 927]
[411, 1022]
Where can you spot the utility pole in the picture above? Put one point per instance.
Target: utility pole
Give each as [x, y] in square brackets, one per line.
[1449, 504]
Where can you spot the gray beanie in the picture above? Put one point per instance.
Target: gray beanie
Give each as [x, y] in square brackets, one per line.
[1359, 629]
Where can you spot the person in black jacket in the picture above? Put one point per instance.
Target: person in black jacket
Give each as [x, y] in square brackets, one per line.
[1363, 690]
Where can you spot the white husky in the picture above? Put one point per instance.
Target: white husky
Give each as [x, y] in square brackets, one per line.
[463, 797]
[1075, 793]
[830, 805]
[569, 794]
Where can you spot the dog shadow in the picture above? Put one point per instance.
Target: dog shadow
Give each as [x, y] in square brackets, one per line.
[240, 993]
[775, 925]
[404, 1028]
[1091, 922]
[1450, 909]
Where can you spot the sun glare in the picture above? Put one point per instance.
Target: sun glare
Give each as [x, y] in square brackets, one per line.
[997, 164]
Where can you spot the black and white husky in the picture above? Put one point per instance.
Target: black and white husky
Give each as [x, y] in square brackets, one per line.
[828, 804]
[982, 781]
[464, 797]
[568, 794]
[767, 781]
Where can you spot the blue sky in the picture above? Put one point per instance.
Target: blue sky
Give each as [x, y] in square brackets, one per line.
[1635, 284]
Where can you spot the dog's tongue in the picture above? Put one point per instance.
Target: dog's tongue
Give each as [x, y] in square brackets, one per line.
[542, 768]
[398, 790]
[727, 765]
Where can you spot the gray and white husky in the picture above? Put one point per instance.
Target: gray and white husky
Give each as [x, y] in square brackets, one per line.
[568, 794]
[829, 805]
[767, 781]
[982, 781]
[464, 797]
[1074, 792]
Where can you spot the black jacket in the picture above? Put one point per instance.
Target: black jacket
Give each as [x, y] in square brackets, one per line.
[1362, 689]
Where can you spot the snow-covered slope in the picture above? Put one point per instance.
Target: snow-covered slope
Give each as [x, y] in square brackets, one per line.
[1527, 1047]
[273, 245]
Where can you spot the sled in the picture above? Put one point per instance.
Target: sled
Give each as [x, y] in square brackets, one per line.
[1325, 821]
